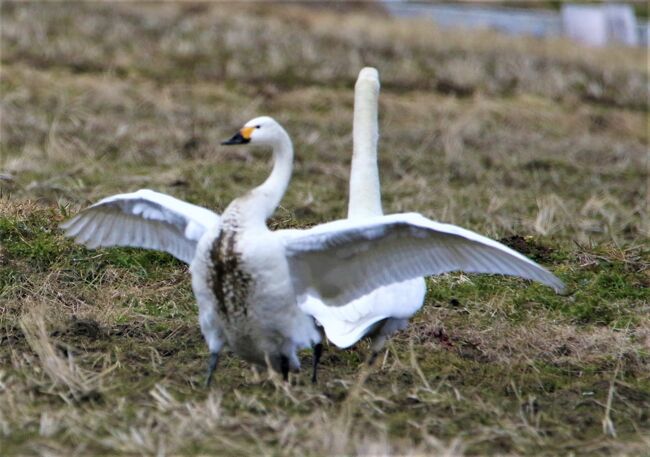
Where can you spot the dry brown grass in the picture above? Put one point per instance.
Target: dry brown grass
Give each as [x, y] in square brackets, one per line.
[541, 144]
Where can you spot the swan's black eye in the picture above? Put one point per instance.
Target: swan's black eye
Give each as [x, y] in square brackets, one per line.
[257, 126]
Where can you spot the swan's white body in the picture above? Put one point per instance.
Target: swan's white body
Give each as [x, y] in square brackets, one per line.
[240, 274]
[264, 321]
[393, 304]
[251, 283]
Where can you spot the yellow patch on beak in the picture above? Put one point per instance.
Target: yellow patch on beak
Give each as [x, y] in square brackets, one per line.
[246, 132]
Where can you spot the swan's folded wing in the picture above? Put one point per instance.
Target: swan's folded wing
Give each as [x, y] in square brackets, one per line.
[144, 219]
[343, 260]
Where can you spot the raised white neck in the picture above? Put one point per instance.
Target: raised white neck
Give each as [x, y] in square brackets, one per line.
[365, 190]
[265, 198]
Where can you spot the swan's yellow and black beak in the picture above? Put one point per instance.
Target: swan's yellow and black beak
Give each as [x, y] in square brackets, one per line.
[241, 137]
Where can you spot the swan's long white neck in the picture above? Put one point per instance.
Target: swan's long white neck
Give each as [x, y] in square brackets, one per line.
[265, 198]
[365, 191]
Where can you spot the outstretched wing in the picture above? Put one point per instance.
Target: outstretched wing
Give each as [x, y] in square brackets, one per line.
[343, 260]
[144, 219]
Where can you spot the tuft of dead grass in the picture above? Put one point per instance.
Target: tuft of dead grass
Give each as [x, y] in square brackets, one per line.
[63, 372]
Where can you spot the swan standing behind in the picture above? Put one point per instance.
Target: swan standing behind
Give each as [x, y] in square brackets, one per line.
[388, 308]
[250, 282]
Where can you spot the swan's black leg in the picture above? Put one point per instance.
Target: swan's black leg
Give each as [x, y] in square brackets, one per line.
[373, 357]
[318, 351]
[212, 365]
[284, 366]
[376, 346]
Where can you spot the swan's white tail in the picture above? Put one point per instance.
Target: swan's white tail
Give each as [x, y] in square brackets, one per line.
[365, 191]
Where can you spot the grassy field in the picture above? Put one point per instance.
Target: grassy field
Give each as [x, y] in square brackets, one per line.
[542, 145]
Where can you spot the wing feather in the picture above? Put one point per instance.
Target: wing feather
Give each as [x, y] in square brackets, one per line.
[144, 219]
[343, 260]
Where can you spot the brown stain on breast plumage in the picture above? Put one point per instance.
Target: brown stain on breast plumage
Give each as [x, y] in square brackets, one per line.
[230, 283]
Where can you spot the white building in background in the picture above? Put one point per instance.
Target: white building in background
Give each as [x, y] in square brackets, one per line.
[598, 25]
[591, 24]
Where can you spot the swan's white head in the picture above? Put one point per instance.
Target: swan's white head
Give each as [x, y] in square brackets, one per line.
[263, 130]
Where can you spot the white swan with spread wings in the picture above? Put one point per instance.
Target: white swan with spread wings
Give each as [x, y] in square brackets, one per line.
[388, 308]
[250, 282]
